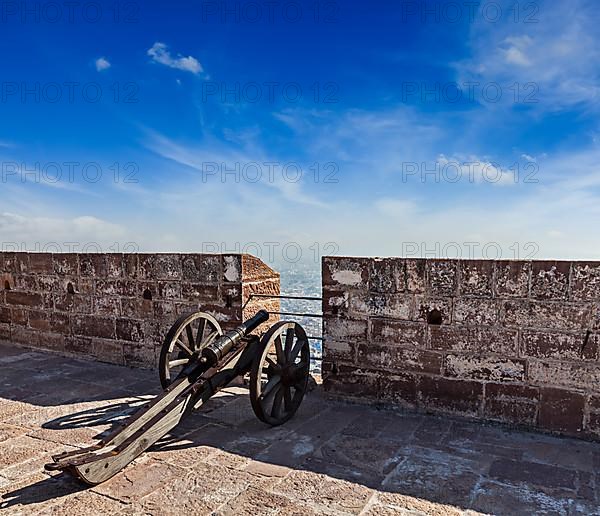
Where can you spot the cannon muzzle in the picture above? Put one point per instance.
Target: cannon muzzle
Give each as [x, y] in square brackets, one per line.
[212, 353]
[251, 324]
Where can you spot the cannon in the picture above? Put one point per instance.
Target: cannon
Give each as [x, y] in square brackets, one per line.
[197, 360]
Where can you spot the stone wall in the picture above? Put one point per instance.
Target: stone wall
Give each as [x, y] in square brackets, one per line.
[509, 341]
[118, 307]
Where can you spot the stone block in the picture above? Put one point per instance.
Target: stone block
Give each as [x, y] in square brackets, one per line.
[476, 339]
[41, 263]
[201, 268]
[159, 266]
[585, 281]
[484, 367]
[201, 292]
[476, 277]
[116, 287]
[339, 350]
[512, 278]
[424, 305]
[115, 265]
[399, 389]
[231, 265]
[442, 277]
[352, 381]
[130, 330]
[40, 320]
[344, 273]
[560, 346]
[400, 333]
[416, 275]
[73, 303]
[65, 264]
[344, 330]
[546, 315]
[93, 265]
[93, 326]
[395, 358]
[575, 375]
[511, 403]
[14, 297]
[335, 302]
[371, 304]
[449, 395]
[106, 305]
[550, 280]
[387, 275]
[475, 311]
[561, 410]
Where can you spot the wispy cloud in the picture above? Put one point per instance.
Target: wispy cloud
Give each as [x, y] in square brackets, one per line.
[559, 54]
[233, 158]
[102, 64]
[160, 54]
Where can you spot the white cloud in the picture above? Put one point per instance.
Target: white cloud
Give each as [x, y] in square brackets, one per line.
[553, 61]
[35, 233]
[474, 169]
[515, 53]
[160, 54]
[102, 64]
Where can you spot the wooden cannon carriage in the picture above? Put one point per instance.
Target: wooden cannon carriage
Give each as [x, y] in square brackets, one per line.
[196, 361]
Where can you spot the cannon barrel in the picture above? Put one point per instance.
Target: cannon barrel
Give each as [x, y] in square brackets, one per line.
[215, 351]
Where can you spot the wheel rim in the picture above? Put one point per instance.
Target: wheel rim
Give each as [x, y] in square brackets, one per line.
[191, 333]
[280, 374]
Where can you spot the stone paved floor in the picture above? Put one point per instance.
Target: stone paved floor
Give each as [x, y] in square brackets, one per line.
[332, 458]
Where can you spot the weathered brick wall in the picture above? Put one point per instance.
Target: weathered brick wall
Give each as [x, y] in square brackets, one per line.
[118, 307]
[511, 345]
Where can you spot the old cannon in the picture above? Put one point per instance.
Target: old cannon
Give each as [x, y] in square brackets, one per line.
[196, 361]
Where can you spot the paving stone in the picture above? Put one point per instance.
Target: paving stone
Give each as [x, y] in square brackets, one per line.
[85, 503]
[499, 499]
[33, 494]
[406, 505]
[138, 480]
[10, 431]
[357, 453]
[202, 492]
[513, 471]
[254, 502]
[266, 469]
[22, 449]
[321, 491]
[434, 475]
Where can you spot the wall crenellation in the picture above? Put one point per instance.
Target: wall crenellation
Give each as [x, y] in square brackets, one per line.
[118, 307]
[498, 340]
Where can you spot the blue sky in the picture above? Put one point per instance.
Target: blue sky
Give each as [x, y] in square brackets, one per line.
[417, 116]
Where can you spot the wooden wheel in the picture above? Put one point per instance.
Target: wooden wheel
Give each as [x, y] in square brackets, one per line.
[190, 333]
[279, 373]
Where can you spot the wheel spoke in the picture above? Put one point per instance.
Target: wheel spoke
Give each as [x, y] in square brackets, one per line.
[190, 336]
[182, 346]
[178, 362]
[268, 399]
[271, 363]
[287, 398]
[289, 343]
[271, 384]
[297, 349]
[279, 350]
[277, 404]
[200, 333]
[211, 338]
